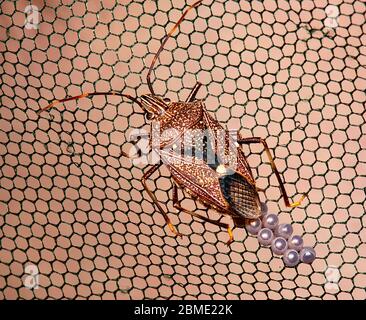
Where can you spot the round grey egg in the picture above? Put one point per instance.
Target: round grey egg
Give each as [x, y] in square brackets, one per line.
[295, 242]
[307, 255]
[270, 221]
[265, 236]
[279, 245]
[253, 226]
[291, 258]
[284, 230]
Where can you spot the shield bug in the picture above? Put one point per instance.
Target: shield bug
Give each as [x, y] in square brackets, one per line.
[213, 168]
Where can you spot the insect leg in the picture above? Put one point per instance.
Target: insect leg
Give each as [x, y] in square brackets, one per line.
[177, 205]
[153, 198]
[274, 168]
[194, 92]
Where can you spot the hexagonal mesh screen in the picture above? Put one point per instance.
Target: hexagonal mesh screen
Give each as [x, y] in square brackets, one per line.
[74, 212]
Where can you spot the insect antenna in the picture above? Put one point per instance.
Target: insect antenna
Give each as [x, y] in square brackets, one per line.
[164, 41]
[84, 95]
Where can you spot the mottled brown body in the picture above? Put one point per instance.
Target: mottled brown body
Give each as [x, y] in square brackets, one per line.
[194, 174]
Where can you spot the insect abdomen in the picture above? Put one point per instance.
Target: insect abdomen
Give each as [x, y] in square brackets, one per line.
[241, 196]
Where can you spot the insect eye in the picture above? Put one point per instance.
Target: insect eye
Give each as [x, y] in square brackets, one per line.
[149, 116]
[166, 100]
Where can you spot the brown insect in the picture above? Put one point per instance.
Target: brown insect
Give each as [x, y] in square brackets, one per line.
[231, 190]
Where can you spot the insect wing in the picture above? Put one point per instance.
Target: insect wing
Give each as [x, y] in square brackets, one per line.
[225, 144]
[196, 177]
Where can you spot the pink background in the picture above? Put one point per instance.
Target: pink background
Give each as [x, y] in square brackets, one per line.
[85, 220]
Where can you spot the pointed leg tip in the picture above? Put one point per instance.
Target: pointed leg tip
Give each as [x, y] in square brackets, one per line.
[231, 237]
[178, 234]
[173, 229]
[297, 203]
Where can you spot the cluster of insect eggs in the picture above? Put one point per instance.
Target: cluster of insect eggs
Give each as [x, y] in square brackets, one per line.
[281, 240]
